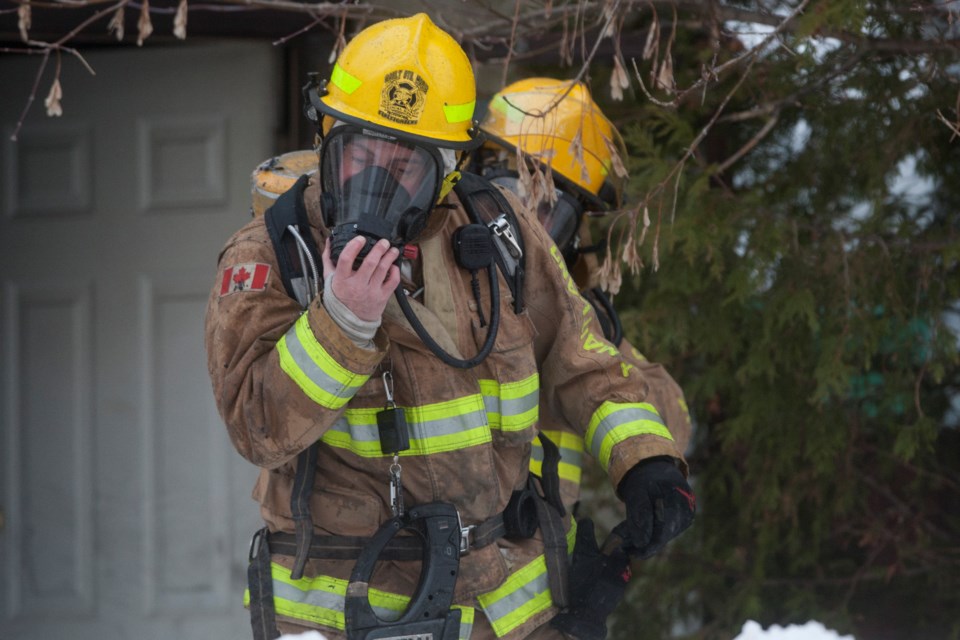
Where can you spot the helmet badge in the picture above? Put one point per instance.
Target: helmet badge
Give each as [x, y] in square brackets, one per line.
[402, 97]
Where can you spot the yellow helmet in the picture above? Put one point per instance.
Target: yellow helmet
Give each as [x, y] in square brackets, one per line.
[543, 116]
[407, 77]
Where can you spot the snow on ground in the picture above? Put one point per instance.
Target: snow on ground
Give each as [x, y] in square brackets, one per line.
[809, 631]
[751, 631]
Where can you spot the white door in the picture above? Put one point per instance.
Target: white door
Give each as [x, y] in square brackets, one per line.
[125, 510]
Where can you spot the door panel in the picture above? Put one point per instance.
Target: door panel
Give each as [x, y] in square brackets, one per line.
[125, 510]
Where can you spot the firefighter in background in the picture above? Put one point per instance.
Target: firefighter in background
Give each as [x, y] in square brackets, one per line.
[549, 142]
[538, 121]
[392, 399]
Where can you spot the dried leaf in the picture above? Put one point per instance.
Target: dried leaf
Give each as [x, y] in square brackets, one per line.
[652, 44]
[144, 26]
[566, 58]
[576, 150]
[618, 167]
[609, 276]
[618, 80]
[338, 46]
[631, 257]
[52, 101]
[24, 19]
[116, 23]
[665, 76]
[180, 21]
[610, 28]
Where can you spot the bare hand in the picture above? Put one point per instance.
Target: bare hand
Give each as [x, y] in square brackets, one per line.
[364, 291]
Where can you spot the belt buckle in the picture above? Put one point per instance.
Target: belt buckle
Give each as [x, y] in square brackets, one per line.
[464, 535]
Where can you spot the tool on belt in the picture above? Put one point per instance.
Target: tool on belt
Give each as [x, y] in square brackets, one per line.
[429, 615]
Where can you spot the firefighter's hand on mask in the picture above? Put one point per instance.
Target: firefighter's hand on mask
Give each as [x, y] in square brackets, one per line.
[660, 505]
[364, 291]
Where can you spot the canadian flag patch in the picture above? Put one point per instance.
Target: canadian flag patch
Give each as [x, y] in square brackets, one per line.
[251, 276]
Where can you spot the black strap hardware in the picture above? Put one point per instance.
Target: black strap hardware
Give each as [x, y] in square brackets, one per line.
[428, 614]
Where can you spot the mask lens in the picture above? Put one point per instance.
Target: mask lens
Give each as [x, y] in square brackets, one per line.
[386, 187]
[561, 220]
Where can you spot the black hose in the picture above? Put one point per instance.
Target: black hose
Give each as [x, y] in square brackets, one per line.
[616, 327]
[436, 348]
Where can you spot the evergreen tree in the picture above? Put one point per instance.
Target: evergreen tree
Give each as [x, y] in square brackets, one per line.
[805, 296]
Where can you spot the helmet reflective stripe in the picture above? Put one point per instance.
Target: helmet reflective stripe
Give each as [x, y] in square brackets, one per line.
[459, 112]
[614, 422]
[343, 80]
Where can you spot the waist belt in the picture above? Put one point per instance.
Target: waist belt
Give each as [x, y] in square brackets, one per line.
[405, 548]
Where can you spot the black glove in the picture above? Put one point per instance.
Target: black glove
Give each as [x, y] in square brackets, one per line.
[660, 505]
[597, 583]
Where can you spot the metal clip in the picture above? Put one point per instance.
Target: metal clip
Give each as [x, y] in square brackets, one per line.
[502, 229]
[388, 388]
[464, 535]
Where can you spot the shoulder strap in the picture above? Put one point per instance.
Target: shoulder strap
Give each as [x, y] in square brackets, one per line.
[290, 211]
[289, 214]
[486, 205]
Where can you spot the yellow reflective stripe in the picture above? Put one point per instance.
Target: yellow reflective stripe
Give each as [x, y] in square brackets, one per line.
[466, 621]
[459, 112]
[316, 372]
[434, 428]
[614, 422]
[343, 80]
[571, 454]
[524, 594]
[569, 472]
[321, 599]
[512, 406]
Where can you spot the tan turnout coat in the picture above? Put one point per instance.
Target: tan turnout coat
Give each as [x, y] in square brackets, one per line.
[555, 347]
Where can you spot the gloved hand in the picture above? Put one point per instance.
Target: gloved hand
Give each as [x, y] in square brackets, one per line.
[660, 505]
[597, 584]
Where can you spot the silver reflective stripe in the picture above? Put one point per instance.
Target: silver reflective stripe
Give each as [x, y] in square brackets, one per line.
[325, 600]
[573, 457]
[517, 406]
[616, 419]
[510, 408]
[369, 432]
[312, 597]
[317, 375]
[520, 597]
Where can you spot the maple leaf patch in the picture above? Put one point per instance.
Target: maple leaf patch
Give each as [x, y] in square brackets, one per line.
[251, 276]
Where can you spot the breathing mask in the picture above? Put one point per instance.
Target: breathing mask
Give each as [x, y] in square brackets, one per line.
[376, 186]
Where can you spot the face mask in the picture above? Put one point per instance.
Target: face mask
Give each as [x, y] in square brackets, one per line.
[376, 186]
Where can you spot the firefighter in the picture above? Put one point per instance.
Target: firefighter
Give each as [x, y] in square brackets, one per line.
[537, 121]
[533, 128]
[390, 393]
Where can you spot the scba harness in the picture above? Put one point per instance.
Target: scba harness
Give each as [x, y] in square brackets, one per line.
[438, 537]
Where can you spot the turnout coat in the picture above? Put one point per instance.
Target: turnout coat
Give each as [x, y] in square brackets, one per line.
[284, 378]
